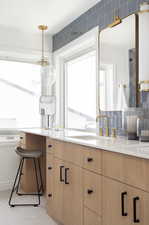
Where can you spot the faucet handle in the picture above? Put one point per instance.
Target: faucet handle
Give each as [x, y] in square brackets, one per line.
[113, 132]
[107, 131]
[100, 131]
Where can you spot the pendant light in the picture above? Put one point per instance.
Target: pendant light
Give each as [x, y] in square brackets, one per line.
[44, 61]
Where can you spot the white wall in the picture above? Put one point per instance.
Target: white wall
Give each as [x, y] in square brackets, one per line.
[15, 44]
[9, 162]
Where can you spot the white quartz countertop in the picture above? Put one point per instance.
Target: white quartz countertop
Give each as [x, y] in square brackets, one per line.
[119, 145]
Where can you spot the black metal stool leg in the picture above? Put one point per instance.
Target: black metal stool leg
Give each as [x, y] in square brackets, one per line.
[38, 188]
[41, 181]
[17, 187]
[13, 189]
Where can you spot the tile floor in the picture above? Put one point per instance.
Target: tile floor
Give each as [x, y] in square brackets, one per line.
[23, 215]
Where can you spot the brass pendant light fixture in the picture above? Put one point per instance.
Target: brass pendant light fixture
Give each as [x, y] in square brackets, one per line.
[44, 61]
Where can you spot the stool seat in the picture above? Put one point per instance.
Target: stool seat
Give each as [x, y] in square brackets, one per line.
[28, 153]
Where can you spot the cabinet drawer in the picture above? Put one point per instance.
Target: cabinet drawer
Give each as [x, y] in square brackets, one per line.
[68, 152]
[91, 218]
[92, 160]
[92, 184]
[128, 169]
[49, 145]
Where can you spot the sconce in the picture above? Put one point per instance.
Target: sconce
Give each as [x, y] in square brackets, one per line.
[116, 19]
[144, 7]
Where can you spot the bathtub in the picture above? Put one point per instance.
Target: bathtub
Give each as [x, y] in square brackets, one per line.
[8, 159]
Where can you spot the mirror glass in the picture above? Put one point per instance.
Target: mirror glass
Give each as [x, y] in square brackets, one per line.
[118, 73]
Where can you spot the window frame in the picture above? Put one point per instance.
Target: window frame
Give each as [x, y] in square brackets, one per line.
[72, 57]
[78, 47]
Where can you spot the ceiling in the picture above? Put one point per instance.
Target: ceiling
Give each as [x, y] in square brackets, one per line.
[25, 15]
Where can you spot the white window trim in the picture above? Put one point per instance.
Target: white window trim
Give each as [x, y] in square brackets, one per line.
[82, 45]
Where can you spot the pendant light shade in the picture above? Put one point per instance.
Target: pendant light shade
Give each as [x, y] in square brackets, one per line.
[44, 61]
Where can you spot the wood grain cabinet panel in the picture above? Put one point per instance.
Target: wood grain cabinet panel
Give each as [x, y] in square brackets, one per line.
[92, 160]
[58, 193]
[68, 151]
[128, 169]
[49, 145]
[92, 187]
[136, 172]
[113, 165]
[139, 207]
[115, 212]
[91, 218]
[73, 195]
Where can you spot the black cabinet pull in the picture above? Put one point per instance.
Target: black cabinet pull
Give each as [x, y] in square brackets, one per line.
[49, 195]
[135, 210]
[49, 168]
[66, 175]
[89, 191]
[49, 146]
[89, 159]
[21, 137]
[123, 194]
[61, 173]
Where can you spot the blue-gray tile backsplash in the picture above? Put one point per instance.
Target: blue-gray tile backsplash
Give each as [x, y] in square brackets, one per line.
[100, 15]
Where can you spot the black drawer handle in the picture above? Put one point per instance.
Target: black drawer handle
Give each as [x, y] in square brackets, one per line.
[49, 168]
[123, 194]
[89, 159]
[49, 195]
[21, 137]
[49, 146]
[89, 191]
[66, 175]
[61, 173]
[135, 210]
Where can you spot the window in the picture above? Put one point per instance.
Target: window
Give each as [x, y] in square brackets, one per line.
[80, 91]
[20, 88]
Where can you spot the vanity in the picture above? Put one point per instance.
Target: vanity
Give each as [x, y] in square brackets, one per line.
[96, 181]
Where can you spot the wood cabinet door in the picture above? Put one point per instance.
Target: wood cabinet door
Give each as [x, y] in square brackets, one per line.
[58, 193]
[139, 206]
[116, 202]
[91, 218]
[50, 183]
[73, 195]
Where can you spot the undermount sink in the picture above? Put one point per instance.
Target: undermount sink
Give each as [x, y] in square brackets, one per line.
[86, 137]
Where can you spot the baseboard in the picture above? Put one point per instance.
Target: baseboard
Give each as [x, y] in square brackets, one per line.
[6, 185]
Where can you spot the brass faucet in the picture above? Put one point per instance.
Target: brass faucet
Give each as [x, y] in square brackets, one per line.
[101, 116]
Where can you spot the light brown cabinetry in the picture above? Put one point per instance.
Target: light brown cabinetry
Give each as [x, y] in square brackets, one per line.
[92, 160]
[67, 193]
[123, 204]
[91, 218]
[92, 186]
[127, 169]
[115, 203]
[50, 183]
[73, 195]
[139, 206]
[86, 186]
